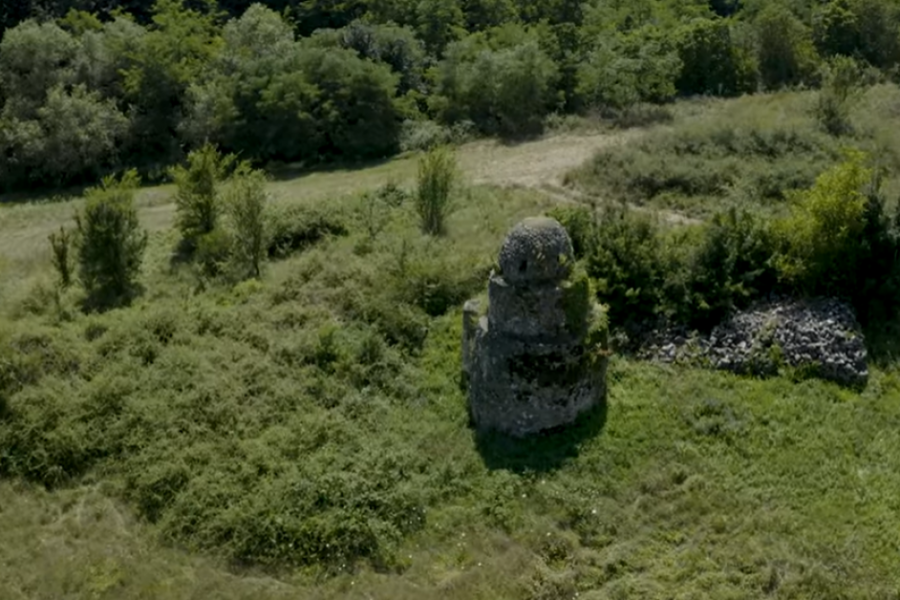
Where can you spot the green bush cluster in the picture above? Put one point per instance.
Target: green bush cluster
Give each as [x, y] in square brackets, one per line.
[836, 240]
[295, 226]
[268, 421]
[222, 214]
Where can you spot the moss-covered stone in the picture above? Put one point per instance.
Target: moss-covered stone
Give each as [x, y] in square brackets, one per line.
[578, 302]
[538, 360]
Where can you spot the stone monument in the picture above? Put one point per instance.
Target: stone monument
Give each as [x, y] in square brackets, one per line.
[536, 358]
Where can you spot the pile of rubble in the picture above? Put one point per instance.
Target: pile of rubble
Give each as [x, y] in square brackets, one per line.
[820, 336]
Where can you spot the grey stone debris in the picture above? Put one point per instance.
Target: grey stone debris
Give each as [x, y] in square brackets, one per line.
[820, 335]
[535, 359]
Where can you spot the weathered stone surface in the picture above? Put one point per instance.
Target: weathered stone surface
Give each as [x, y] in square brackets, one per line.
[821, 336]
[535, 360]
[537, 250]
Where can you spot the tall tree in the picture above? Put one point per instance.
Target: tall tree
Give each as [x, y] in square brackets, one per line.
[176, 49]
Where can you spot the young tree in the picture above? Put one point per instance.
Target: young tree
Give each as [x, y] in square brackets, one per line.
[437, 172]
[246, 202]
[60, 244]
[197, 197]
[111, 242]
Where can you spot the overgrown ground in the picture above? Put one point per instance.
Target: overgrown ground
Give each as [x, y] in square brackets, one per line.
[305, 435]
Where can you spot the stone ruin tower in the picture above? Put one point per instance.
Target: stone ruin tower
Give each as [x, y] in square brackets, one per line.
[535, 359]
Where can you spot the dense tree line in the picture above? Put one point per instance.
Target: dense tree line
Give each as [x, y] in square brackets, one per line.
[92, 86]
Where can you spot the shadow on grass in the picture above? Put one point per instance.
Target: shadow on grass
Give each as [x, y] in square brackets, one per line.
[541, 452]
[883, 344]
[43, 195]
[286, 172]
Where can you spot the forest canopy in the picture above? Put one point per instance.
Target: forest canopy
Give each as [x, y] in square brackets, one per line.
[92, 87]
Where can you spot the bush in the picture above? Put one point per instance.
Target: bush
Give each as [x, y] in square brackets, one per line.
[820, 242]
[293, 227]
[692, 167]
[694, 277]
[437, 172]
[436, 283]
[197, 199]
[579, 222]
[627, 263]
[729, 266]
[423, 135]
[111, 242]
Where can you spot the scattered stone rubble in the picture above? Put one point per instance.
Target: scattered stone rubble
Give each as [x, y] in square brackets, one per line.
[535, 359]
[820, 336]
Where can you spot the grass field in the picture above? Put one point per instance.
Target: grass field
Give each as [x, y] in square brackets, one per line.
[304, 436]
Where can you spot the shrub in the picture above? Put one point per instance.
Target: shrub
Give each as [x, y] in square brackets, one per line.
[197, 198]
[627, 263]
[579, 222]
[111, 242]
[437, 172]
[293, 227]
[246, 202]
[377, 206]
[60, 243]
[213, 251]
[698, 163]
[730, 265]
[820, 240]
[422, 135]
[435, 282]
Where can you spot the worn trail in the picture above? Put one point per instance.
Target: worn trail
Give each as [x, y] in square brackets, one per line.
[538, 164]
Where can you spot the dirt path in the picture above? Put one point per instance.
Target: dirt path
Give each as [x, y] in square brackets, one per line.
[24, 228]
[534, 164]
[538, 164]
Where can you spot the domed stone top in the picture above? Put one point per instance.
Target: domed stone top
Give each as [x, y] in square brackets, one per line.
[537, 250]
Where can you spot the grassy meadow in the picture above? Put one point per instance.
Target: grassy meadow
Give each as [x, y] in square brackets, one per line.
[304, 435]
